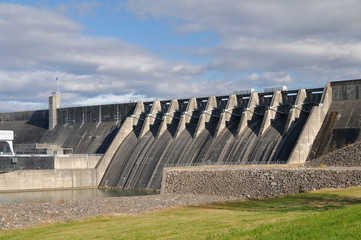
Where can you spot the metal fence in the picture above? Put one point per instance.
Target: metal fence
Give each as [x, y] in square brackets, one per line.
[223, 164]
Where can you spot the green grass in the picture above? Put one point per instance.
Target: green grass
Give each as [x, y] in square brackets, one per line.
[327, 214]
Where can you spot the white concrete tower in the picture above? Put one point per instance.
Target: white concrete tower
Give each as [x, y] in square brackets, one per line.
[54, 104]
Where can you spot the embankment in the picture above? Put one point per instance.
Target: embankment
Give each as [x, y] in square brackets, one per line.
[257, 181]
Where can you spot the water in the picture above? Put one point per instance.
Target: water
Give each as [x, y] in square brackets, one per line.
[56, 195]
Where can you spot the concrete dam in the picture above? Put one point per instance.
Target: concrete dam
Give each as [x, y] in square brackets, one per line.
[135, 141]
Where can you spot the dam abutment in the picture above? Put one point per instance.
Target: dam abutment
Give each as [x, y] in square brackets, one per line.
[311, 128]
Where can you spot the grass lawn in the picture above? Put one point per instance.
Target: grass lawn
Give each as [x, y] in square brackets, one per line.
[326, 214]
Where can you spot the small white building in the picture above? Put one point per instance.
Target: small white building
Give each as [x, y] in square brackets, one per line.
[6, 142]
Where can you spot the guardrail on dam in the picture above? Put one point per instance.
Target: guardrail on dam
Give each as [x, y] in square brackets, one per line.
[139, 139]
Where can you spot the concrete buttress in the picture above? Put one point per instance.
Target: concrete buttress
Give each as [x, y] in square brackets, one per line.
[186, 116]
[206, 115]
[168, 117]
[248, 114]
[150, 119]
[313, 124]
[271, 114]
[226, 114]
[125, 129]
[296, 110]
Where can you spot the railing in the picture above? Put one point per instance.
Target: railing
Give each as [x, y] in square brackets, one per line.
[27, 155]
[52, 155]
[80, 155]
[222, 164]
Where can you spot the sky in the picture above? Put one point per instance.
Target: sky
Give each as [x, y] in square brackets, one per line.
[128, 50]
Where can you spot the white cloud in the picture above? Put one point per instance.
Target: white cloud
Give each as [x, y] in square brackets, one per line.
[111, 98]
[297, 43]
[298, 37]
[36, 44]
[268, 79]
[246, 54]
[17, 106]
[255, 18]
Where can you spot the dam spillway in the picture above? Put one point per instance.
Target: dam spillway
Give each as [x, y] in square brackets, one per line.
[79, 130]
[135, 141]
[237, 129]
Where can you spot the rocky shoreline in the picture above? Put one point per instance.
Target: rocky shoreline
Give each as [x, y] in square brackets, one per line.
[18, 215]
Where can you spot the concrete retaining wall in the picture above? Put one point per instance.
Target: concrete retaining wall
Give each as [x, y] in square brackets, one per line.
[256, 182]
[18, 162]
[47, 179]
[76, 161]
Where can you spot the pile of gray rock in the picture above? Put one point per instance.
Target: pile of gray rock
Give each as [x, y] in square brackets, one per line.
[258, 181]
[349, 156]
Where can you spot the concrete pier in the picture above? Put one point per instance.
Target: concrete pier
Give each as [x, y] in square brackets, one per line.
[206, 115]
[309, 132]
[271, 113]
[249, 113]
[150, 118]
[168, 117]
[296, 110]
[124, 131]
[226, 114]
[186, 116]
[54, 104]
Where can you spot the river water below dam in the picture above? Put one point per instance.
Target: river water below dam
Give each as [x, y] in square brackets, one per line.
[57, 195]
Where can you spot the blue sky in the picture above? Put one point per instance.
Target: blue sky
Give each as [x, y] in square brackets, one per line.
[111, 19]
[118, 51]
